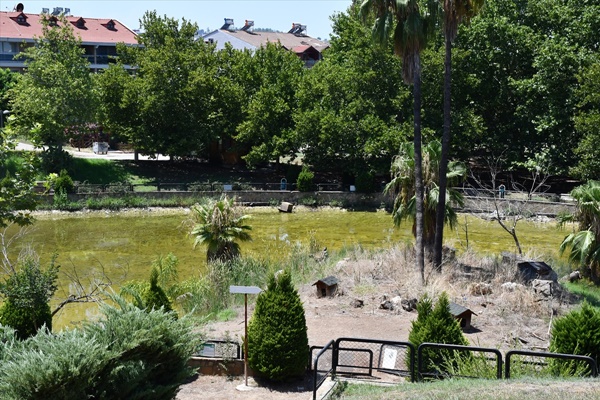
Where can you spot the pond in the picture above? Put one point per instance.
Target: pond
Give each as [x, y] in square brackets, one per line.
[124, 244]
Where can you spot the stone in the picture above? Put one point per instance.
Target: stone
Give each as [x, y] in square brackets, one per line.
[357, 303]
[386, 305]
[481, 289]
[396, 302]
[545, 288]
[409, 304]
[574, 276]
[510, 286]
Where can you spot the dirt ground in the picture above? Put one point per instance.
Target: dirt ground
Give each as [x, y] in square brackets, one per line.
[502, 319]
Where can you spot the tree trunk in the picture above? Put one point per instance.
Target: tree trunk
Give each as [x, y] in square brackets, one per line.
[443, 184]
[419, 221]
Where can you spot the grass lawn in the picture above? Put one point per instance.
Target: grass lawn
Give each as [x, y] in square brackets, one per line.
[476, 389]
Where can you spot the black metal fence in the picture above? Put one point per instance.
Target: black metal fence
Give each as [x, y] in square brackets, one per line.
[481, 364]
[575, 359]
[323, 365]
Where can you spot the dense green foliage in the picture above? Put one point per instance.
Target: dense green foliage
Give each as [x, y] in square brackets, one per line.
[129, 354]
[277, 333]
[305, 180]
[578, 332]
[154, 297]
[436, 325]
[27, 291]
[524, 78]
[55, 93]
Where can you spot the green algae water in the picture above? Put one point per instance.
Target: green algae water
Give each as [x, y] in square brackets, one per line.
[123, 245]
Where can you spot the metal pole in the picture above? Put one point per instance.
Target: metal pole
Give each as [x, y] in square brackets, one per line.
[246, 338]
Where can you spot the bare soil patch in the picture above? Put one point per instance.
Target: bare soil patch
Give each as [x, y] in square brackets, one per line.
[504, 318]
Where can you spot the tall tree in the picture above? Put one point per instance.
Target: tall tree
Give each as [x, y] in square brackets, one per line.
[348, 119]
[271, 104]
[455, 12]
[56, 92]
[173, 92]
[412, 24]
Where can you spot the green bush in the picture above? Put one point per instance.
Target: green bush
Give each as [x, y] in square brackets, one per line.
[154, 296]
[25, 320]
[436, 325]
[578, 332]
[63, 183]
[128, 354]
[27, 292]
[277, 337]
[305, 180]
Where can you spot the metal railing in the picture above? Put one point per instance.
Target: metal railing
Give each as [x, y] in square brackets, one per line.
[323, 366]
[457, 348]
[589, 360]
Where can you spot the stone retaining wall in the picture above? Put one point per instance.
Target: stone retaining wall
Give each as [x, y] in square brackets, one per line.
[473, 204]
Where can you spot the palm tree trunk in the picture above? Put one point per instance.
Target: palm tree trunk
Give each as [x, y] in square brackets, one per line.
[441, 206]
[419, 221]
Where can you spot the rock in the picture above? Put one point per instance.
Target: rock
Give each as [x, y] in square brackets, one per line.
[409, 304]
[357, 303]
[544, 288]
[396, 302]
[574, 276]
[481, 289]
[386, 305]
[510, 286]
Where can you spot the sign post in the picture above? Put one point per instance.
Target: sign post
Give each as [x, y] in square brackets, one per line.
[245, 290]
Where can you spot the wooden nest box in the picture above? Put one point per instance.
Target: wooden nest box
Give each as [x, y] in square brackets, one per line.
[326, 287]
[462, 314]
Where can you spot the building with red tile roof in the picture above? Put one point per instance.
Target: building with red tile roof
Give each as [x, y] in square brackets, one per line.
[296, 40]
[99, 37]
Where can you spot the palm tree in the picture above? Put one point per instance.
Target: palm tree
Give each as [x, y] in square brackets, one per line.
[411, 26]
[584, 245]
[220, 225]
[402, 184]
[455, 12]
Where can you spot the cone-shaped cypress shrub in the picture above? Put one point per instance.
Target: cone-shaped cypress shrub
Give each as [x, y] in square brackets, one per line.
[578, 332]
[436, 325]
[277, 338]
[154, 297]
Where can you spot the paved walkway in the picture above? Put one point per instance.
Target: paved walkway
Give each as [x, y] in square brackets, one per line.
[88, 153]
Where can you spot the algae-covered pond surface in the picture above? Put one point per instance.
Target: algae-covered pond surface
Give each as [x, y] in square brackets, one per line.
[124, 244]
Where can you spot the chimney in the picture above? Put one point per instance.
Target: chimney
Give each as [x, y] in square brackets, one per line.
[228, 23]
[248, 25]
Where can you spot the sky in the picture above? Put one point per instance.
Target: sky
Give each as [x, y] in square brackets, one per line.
[208, 14]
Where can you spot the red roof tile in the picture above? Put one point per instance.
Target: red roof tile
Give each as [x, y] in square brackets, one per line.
[95, 30]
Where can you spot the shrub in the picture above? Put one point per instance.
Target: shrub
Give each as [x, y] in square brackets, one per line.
[128, 354]
[578, 332]
[436, 325]
[27, 292]
[154, 296]
[305, 180]
[25, 320]
[277, 337]
[63, 183]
